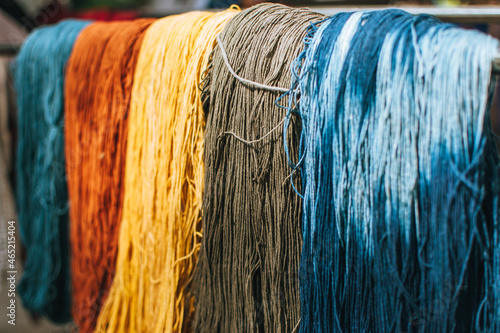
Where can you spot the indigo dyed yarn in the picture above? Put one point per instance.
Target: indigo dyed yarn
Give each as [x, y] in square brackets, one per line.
[41, 188]
[400, 177]
[246, 278]
[99, 79]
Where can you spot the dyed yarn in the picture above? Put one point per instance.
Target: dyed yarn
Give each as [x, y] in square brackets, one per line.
[247, 274]
[160, 228]
[41, 189]
[98, 87]
[400, 177]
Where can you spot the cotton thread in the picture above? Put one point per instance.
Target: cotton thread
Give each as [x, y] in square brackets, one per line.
[41, 188]
[99, 82]
[160, 229]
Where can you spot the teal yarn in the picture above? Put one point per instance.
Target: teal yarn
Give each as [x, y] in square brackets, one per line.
[41, 188]
[399, 175]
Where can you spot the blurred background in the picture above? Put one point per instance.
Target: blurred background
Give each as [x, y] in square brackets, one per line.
[33, 13]
[19, 17]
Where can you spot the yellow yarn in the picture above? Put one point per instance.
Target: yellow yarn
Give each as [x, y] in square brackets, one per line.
[161, 221]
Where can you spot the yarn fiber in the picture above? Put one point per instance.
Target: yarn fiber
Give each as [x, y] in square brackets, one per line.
[161, 229]
[99, 82]
[41, 188]
[247, 275]
[400, 177]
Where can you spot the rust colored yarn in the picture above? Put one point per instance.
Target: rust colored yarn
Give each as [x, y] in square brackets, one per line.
[99, 81]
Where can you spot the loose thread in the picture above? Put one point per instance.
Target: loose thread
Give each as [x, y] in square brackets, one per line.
[242, 80]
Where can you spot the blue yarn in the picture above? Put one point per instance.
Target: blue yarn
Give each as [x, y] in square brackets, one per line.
[41, 188]
[400, 177]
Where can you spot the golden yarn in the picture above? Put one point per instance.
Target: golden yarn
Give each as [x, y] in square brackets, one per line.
[160, 234]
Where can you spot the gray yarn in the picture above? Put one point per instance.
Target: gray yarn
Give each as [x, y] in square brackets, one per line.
[247, 274]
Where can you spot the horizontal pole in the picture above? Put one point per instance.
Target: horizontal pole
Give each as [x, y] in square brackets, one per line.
[460, 14]
[496, 65]
[9, 49]
[12, 49]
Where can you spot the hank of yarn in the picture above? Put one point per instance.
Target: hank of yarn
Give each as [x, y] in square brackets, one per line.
[99, 80]
[400, 177]
[41, 188]
[247, 275]
[160, 229]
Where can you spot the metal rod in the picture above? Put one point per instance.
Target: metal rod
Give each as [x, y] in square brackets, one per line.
[460, 14]
[12, 49]
[496, 65]
[9, 49]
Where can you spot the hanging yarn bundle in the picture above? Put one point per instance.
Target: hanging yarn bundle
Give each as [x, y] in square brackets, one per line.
[400, 177]
[160, 229]
[247, 274]
[98, 87]
[41, 189]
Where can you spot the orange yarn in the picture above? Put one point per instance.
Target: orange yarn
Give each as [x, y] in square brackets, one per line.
[99, 81]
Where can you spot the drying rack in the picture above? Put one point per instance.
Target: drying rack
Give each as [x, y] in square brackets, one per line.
[463, 14]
